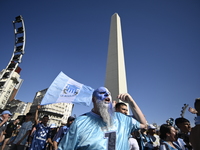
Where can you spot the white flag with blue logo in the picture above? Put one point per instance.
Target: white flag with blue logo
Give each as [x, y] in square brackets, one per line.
[66, 90]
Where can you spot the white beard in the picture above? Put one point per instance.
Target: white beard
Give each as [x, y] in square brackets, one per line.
[106, 111]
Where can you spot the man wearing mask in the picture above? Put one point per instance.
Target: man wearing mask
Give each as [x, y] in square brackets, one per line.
[102, 128]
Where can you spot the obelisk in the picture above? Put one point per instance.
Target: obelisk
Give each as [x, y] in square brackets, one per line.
[115, 70]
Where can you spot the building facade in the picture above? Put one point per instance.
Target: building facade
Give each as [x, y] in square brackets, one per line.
[18, 108]
[9, 86]
[58, 112]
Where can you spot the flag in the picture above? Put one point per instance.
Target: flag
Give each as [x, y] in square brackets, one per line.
[66, 90]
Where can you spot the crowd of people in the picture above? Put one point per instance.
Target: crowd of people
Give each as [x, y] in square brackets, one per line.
[106, 127]
[30, 135]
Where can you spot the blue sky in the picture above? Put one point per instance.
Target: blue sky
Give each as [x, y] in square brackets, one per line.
[161, 48]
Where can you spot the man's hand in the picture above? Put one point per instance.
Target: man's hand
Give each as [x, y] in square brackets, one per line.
[125, 97]
[39, 106]
[6, 118]
[192, 110]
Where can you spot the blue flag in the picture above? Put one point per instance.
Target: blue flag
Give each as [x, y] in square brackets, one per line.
[66, 90]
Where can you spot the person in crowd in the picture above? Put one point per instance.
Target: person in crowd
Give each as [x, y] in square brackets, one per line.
[168, 136]
[42, 134]
[133, 142]
[62, 131]
[144, 141]
[183, 136]
[102, 128]
[11, 128]
[53, 133]
[16, 131]
[5, 115]
[195, 131]
[32, 132]
[121, 107]
[155, 140]
[21, 138]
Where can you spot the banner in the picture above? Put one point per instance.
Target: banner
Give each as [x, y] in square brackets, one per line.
[66, 90]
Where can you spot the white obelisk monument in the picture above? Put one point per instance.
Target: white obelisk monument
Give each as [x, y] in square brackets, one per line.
[115, 71]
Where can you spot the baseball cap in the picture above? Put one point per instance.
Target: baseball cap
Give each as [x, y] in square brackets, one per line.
[53, 125]
[6, 112]
[151, 126]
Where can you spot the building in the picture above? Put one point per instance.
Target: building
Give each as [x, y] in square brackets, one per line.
[27, 109]
[58, 112]
[18, 108]
[9, 87]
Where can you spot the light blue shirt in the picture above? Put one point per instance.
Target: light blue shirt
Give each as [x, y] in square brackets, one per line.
[165, 146]
[63, 130]
[89, 132]
[26, 126]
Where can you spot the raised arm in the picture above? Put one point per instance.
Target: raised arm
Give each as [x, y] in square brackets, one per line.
[138, 115]
[5, 119]
[36, 115]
